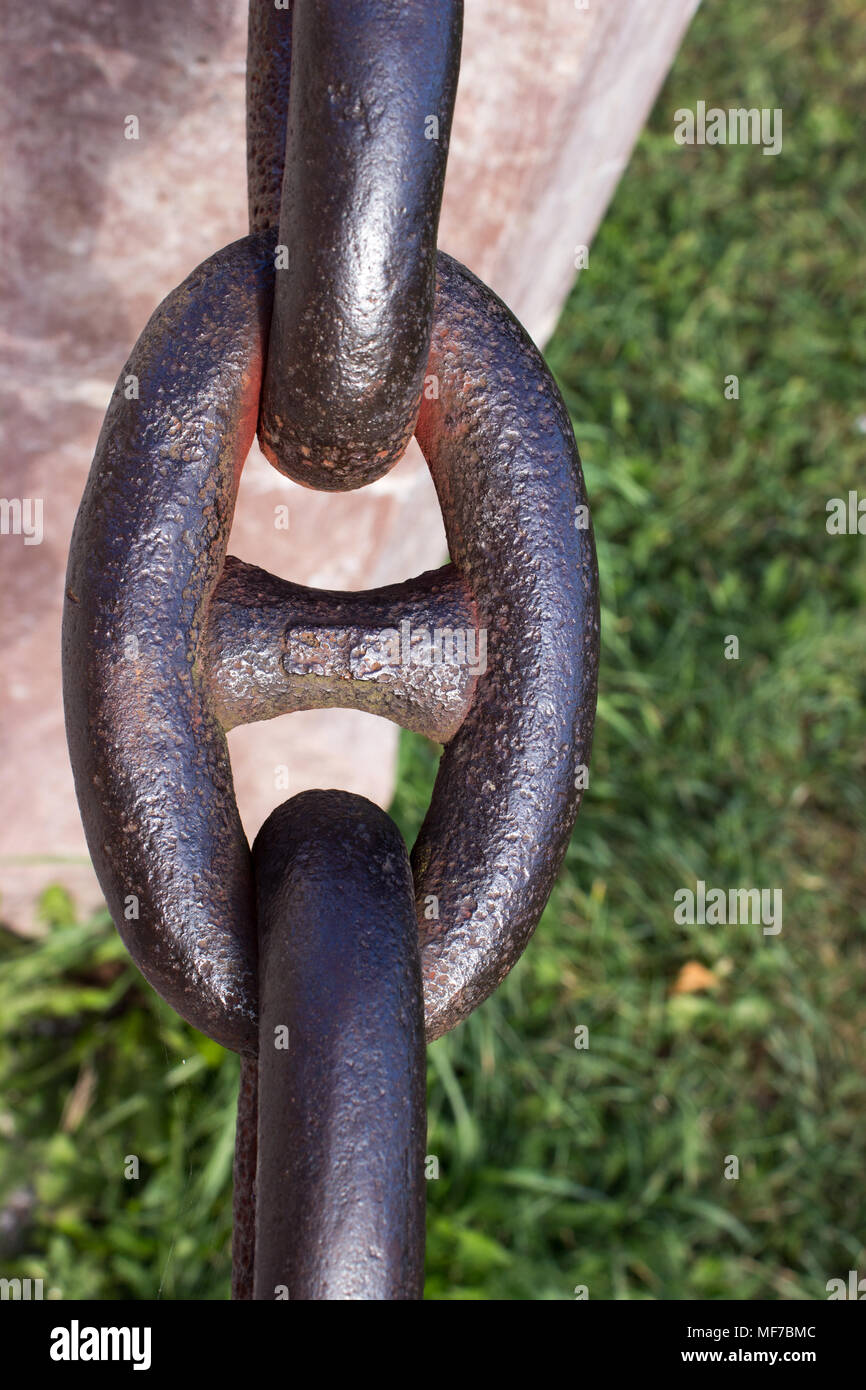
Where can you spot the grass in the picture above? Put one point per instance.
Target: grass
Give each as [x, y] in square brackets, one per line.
[604, 1166]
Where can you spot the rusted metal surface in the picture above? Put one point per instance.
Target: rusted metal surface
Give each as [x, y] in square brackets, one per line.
[168, 644]
[399, 651]
[147, 742]
[150, 760]
[501, 450]
[148, 748]
[372, 94]
[340, 1190]
[269, 71]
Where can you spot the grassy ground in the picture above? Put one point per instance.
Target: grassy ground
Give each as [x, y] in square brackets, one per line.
[603, 1167]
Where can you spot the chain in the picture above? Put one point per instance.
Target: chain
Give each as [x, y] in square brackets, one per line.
[325, 958]
[358, 214]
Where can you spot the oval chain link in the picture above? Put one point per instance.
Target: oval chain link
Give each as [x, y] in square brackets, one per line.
[319, 329]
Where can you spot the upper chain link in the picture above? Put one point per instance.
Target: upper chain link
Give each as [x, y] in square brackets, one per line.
[364, 147]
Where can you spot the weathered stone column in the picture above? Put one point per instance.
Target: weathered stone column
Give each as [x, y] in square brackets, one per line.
[98, 227]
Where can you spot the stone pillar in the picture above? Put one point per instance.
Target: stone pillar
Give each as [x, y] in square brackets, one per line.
[99, 227]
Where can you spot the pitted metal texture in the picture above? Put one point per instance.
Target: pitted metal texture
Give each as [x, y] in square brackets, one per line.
[148, 748]
[373, 84]
[148, 753]
[320, 329]
[409, 652]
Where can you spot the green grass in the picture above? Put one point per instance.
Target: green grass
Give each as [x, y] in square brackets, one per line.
[603, 1167]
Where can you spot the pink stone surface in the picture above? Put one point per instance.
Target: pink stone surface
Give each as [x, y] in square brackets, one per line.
[97, 229]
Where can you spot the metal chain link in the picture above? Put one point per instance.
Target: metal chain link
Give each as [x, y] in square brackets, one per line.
[323, 958]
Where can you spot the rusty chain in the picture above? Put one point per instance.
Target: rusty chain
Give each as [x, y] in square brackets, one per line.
[323, 957]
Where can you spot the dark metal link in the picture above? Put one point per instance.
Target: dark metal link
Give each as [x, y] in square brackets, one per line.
[372, 91]
[151, 765]
[269, 71]
[500, 447]
[148, 750]
[168, 644]
[244, 1180]
[340, 1191]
